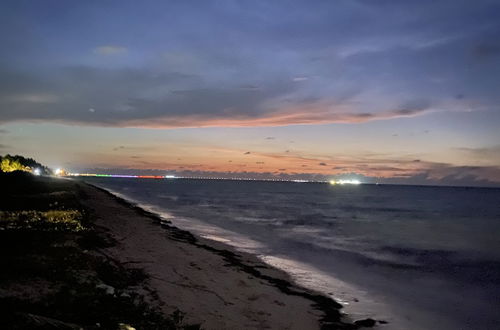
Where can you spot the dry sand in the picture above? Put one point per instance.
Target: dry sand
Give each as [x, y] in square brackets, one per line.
[215, 286]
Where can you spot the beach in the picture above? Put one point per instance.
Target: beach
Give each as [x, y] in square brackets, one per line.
[198, 282]
[231, 164]
[213, 285]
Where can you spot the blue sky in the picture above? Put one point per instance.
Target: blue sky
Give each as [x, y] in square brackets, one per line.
[387, 90]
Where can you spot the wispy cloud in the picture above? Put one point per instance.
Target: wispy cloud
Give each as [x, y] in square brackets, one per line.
[482, 156]
[284, 118]
[31, 98]
[488, 152]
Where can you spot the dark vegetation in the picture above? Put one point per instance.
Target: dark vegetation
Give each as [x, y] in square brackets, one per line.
[9, 163]
[53, 273]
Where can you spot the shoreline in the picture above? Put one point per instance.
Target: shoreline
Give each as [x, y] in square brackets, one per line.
[326, 310]
[299, 274]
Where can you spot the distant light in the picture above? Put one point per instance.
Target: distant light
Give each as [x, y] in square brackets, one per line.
[58, 171]
[37, 171]
[169, 176]
[343, 181]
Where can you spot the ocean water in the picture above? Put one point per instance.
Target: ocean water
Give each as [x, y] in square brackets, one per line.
[417, 257]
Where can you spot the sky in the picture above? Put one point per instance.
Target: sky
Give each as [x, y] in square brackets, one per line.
[383, 91]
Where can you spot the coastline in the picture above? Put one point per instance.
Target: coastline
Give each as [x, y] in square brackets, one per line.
[357, 304]
[246, 289]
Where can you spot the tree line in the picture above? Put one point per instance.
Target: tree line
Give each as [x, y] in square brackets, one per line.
[11, 163]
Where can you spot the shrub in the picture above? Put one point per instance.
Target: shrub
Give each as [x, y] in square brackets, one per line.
[54, 220]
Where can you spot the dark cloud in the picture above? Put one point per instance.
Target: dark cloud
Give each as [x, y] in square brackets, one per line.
[406, 111]
[390, 169]
[146, 99]
[270, 138]
[247, 153]
[361, 60]
[323, 164]
[413, 107]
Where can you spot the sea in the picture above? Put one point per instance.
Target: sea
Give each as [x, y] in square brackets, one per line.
[418, 257]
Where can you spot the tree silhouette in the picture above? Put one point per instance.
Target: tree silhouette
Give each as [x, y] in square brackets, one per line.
[9, 163]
